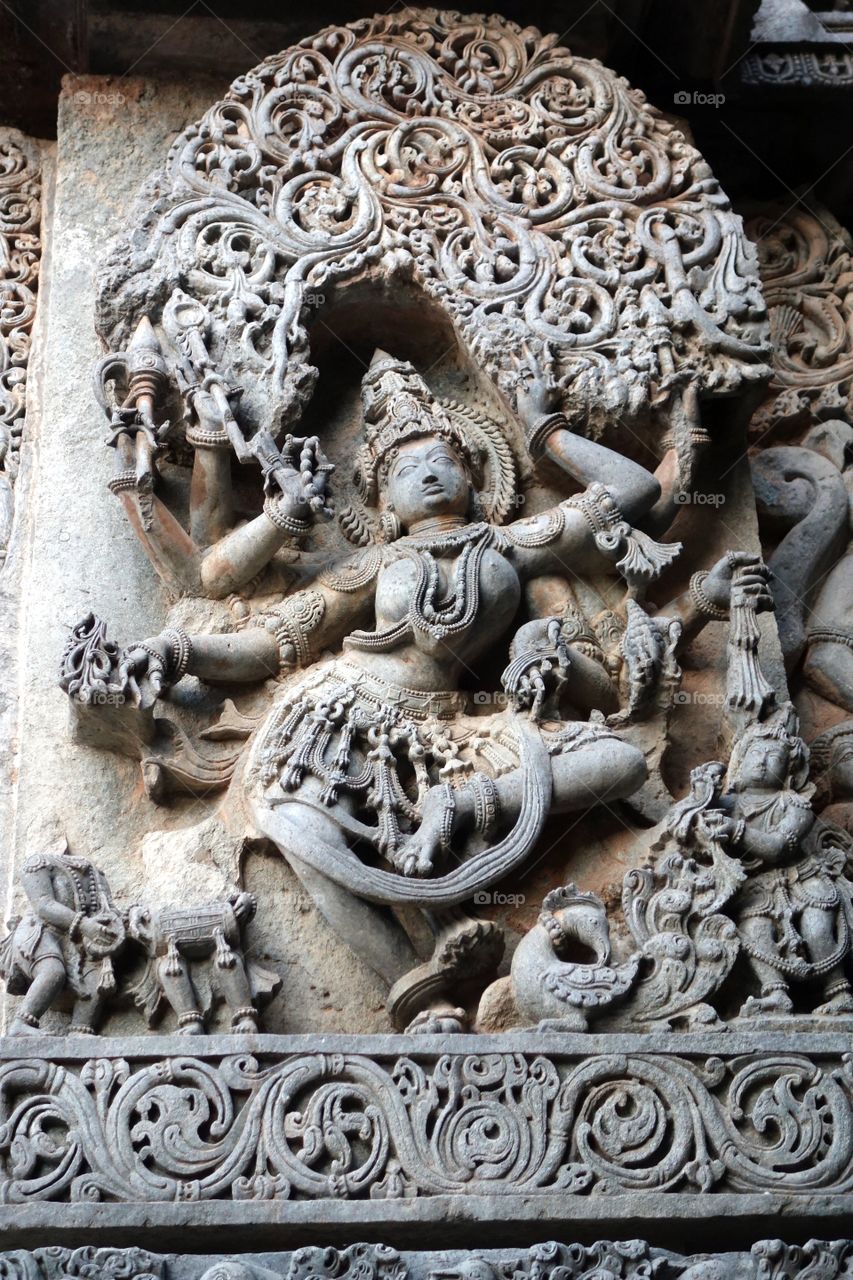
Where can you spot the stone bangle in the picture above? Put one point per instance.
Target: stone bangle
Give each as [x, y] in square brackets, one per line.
[182, 648]
[542, 428]
[703, 604]
[288, 524]
[152, 653]
[447, 816]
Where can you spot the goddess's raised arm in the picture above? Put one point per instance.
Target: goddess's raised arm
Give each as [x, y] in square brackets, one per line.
[633, 488]
[203, 553]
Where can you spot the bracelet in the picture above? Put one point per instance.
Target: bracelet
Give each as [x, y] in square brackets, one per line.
[703, 604]
[152, 653]
[202, 438]
[487, 803]
[542, 428]
[122, 481]
[447, 816]
[182, 649]
[829, 635]
[288, 524]
[245, 1011]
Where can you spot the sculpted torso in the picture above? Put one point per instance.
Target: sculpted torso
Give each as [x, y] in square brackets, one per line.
[434, 663]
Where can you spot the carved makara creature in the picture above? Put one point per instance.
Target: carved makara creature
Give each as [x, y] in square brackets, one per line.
[673, 907]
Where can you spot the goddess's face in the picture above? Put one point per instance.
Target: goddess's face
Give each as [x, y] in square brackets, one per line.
[427, 479]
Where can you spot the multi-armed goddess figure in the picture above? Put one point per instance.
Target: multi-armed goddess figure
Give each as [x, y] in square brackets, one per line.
[372, 773]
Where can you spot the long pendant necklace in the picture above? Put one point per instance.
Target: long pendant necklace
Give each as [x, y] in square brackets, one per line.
[427, 613]
[437, 617]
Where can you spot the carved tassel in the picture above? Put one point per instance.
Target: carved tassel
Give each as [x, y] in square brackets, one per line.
[107, 977]
[173, 960]
[747, 689]
[225, 958]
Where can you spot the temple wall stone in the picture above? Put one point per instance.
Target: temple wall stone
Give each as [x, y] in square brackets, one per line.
[408, 826]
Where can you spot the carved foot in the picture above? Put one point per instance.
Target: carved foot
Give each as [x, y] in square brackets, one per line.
[418, 855]
[839, 1004]
[438, 1022]
[245, 1026]
[773, 1002]
[573, 1021]
[20, 1028]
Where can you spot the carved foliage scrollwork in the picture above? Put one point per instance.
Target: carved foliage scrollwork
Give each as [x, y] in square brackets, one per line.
[328, 1126]
[806, 265]
[20, 250]
[617, 1260]
[536, 198]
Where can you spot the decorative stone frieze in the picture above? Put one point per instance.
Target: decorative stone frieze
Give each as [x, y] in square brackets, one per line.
[20, 256]
[536, 1128]
[622, 1260]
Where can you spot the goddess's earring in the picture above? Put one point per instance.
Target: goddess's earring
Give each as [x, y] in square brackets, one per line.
[390, 526]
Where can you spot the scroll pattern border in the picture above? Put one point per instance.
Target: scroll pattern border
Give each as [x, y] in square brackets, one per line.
[347, 1126]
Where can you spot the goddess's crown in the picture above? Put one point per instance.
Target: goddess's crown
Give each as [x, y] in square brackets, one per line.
[398, 406]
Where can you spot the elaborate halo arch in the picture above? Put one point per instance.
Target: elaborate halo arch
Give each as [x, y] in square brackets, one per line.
[532, 195]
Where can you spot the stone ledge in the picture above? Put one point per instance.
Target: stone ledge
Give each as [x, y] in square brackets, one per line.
[276, 1138]
[618, 1260]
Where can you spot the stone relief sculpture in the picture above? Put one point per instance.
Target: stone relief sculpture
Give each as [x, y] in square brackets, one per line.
[623, 1260]
[66, 941]
[559, 1131]
[605, 306]
[420, 618]
[557, 992]
[766, 880]
[173, 937]
[74, 936]
[358, 752]
[801, 468]
[20, 253]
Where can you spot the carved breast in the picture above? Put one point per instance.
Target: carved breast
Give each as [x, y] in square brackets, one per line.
[476, 610]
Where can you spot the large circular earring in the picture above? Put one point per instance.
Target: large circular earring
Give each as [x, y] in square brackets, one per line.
[390, 527]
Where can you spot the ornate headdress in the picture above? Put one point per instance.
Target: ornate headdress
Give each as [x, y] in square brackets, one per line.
[398, 406]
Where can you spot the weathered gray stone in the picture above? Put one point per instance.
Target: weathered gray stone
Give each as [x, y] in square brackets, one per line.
[253, 1136]
[619, 1260]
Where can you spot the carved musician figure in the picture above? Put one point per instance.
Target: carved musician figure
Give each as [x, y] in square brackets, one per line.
[66, 942]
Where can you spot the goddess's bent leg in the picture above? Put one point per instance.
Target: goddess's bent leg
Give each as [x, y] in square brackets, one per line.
[601, 771]
[592, 774]
[370, 931]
